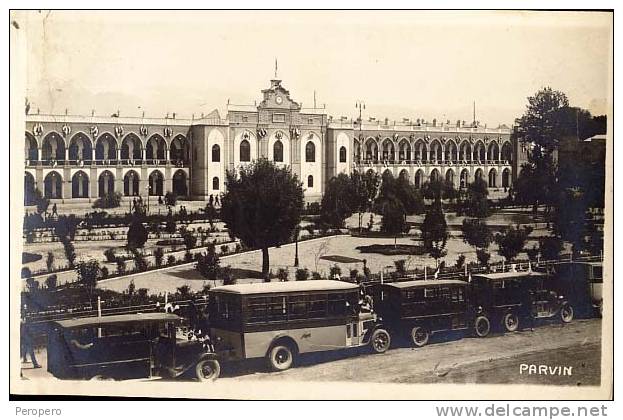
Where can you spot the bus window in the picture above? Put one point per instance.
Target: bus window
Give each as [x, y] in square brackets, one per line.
[297, 307]
[317, 306]
[457, 294]
[414, 295]
[277, 308]
[256, 310]
[336, 305]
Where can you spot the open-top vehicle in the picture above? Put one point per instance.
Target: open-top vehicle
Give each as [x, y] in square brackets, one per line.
[418, 309]
[511, 299]
[280, 321]
[127, 347]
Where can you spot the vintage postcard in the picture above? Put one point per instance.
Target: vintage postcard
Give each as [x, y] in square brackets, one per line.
[312, 204]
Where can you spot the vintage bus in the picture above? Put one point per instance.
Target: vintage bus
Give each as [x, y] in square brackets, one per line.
[280, 321]
[418, 309]
[510, 299]
[582, 283]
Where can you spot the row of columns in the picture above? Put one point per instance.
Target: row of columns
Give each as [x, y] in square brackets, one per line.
[118, 155]
[432, 155]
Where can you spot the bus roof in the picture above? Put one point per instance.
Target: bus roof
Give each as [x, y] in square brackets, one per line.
[426, 283]
[286, 287]
[509, 275]
[94, 321]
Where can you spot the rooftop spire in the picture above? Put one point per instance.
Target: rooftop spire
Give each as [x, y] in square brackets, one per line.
[275, 67]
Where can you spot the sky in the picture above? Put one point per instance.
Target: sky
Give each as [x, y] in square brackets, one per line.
[401, 64]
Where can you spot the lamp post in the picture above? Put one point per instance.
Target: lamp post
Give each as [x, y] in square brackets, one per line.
[360, 105]
[148, 189]
[296, 246]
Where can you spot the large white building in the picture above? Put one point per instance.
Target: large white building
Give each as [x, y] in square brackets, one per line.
[80, 158]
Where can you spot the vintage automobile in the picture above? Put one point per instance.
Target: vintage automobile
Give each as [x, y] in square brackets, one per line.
[582, 283]
[510, 299]
[418, 309]
[128, 347]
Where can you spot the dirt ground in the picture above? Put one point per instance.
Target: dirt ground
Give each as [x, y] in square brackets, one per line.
[492, 360]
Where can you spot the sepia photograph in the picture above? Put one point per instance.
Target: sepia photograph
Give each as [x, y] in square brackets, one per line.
[320, 204]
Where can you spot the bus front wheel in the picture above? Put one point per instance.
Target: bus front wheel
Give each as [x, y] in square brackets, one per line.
[280, 357]
[511, 322]
[207, 370]
[380, 341]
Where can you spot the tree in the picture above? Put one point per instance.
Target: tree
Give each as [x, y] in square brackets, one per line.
[170, 199]
[394, 219]
[477, 202]
[140, 263]
[435, 231]
[66, 227]
[49, 262]
[540, 128]
[476, 233]
[262, 206]
[282, 274]
[121, 265]
[108, 201]
[437, 190]
[208, 263]
[41, 202]
[137, 233]
[51, 282]
[88, 274]
[402, 190]
[511, 241]
[189, 238]
[158, 256]
[570, 218]
[70, 252]
[337, 202]
[365, 190]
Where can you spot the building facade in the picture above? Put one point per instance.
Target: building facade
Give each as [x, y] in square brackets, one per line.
[78, 158]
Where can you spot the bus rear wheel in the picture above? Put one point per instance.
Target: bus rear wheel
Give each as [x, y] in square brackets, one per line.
[380, 341]
[482, 326]
[280, 357]
[511, 322]
[566, 313]
[419, 336]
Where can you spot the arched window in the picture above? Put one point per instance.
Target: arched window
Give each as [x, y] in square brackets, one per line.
[506, 176]
[216, 153]
[215, 183]
[342, 154]
[310, 182]
[310, 152]
[80, 185]
[278, 151]
[245, 151]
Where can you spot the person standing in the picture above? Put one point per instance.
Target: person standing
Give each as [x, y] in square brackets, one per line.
[26, 341]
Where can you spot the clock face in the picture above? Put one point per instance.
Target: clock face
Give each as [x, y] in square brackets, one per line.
[278, 99]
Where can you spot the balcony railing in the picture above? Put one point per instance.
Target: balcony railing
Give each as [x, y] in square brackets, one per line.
[420, 162]
[179, 163]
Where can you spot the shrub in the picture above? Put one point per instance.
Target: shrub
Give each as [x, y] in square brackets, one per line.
[282, 274]
[238, 247]
[532, 252]
[188, 256]
[110, 255]
[51, 282]
[170, 199]
[224, 249]
[316, 276]
[108, 201]
[228, 276]
[400, 266]
[550, 247]
[49, 261]
[70, 252]
[121, 266]
[140, 263]
[335, 271]
[354, 273]
[158, 256]
[483, 256]
[104, 272]
[301, 274]
[137, 234]
[208, 264]
[26, 272]
[460, 261]
[171, 260]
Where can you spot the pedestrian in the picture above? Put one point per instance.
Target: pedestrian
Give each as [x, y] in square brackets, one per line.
[54, 210]
[217, 202]
[160, 200]
[26, 346]
[211, 200]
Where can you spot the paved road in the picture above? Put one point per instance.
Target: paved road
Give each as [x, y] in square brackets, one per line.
[492, 360]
